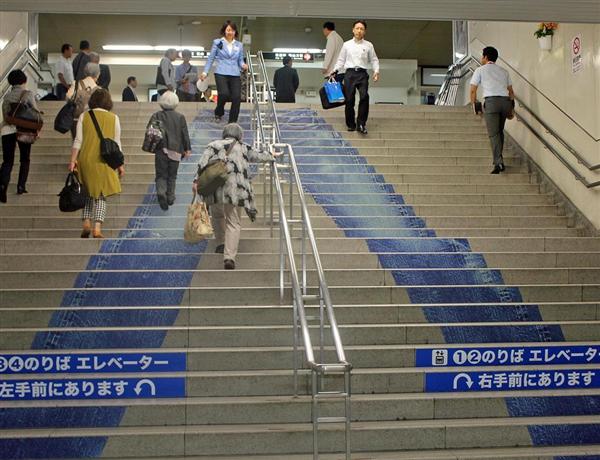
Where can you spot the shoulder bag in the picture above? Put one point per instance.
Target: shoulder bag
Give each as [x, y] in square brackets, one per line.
[155, 136]
[23, 115]
[214, 175]
[109, 149]
[66, 115]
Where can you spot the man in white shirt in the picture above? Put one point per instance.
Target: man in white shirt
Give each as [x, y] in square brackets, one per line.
[499, 103]
[355, 56]
[332, 50]
[64, 72]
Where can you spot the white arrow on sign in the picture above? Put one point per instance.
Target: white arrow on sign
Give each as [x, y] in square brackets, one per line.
[467, 378]
[141, 383]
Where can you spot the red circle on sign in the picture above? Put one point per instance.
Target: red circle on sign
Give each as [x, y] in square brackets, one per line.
[576, 45]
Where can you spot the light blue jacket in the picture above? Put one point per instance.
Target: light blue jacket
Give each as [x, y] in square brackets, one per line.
[227, 64]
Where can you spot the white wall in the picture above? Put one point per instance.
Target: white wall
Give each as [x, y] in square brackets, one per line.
[578, 95]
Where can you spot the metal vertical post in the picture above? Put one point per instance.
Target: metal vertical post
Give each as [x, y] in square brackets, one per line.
[348, 432]
[315, 414]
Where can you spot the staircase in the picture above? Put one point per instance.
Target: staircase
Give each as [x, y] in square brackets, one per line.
[422, 248]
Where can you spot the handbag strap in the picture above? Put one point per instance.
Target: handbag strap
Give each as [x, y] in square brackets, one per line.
[95, 121]
[21, 100]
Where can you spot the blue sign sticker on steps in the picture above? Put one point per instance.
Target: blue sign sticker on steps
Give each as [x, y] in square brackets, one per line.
[109, 388]
[46, 363]
[508, 356]
[512, 380]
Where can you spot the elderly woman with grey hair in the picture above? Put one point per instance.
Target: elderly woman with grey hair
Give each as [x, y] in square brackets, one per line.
[228, 200]
[175, 146]
[85, 88]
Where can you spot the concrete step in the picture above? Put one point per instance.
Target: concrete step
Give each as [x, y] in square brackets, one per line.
[294, 438]
[257, 315]
[374, 210]
[288, 409]
[258, 240]
[183, 335]
[47, 279]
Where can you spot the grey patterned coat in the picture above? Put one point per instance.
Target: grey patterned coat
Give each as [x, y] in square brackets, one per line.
[238, 188]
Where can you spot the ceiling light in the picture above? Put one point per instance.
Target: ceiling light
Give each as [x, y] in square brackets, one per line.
[149, 48]
[196, 23]
[459, 55]
[3, 44]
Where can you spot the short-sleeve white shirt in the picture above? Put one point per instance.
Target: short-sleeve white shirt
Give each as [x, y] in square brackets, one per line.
[493, 79]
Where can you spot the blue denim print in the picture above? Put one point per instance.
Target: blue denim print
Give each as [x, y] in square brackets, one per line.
[334, 186]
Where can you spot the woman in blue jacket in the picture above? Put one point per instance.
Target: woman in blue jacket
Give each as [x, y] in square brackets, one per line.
[229, 55]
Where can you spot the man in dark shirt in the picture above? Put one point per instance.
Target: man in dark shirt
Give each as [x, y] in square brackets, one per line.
[129, 91]
[82, 58]
[286, 82]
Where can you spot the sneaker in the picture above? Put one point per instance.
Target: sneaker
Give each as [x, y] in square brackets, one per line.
[21, 190]
[220, 249]
[362, 129]
[218, 119]
[170, 201]
[496, 170]
[229, 264]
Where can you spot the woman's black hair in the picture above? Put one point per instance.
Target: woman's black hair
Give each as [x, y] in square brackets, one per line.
[17, 77]
[229, 24]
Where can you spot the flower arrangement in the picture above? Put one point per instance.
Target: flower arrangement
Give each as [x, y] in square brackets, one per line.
[546, 29]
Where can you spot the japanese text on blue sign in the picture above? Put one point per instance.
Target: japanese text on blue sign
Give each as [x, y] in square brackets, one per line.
[27, 390]
[511, 381]
[508, 356]
[91, 363]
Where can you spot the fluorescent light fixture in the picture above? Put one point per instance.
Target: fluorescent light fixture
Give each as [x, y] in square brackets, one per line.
[149, 48]
[3, 44]
[459, 55]
[298, 50]
[437, 75]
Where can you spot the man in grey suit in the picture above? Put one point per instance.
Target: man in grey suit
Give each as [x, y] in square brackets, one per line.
[499, 98]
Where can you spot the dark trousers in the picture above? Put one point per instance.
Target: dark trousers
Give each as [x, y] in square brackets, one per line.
[9, 145]
[61, 92]
[353, 81]
[166, 177]
[229, 89]
[186, 97]
[495, 112]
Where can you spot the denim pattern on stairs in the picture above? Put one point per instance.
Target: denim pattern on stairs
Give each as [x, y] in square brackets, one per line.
[409, 244]
[153, 240]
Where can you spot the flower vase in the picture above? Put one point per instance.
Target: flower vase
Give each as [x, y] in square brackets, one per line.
[545, 42]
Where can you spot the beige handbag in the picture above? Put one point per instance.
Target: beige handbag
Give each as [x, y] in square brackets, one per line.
[197, 225]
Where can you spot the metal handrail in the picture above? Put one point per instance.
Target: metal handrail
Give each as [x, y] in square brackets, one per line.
[15, 65]
[300, 288]
[537, 90]
[449, 89]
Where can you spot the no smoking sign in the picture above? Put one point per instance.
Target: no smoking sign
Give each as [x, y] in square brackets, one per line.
[576, 55]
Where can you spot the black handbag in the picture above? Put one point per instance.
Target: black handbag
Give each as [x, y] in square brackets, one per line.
[23, 115]
[66, 115]
[160, 78]
[155, 135]
[73, 195]
[109, 149]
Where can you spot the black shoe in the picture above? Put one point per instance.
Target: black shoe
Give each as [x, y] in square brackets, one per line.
[21, 190]
[362, 129]
[218, 119]
[229, 264]
[220, 249]
[496, 170]
[351, 129]
[3, 196]
[162, 201]
[170, 201]
[502, 167]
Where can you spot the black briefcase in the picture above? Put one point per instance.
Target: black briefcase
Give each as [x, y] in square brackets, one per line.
[325, 101]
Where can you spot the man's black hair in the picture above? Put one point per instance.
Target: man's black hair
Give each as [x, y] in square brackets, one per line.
[490, 53]
[329, 25]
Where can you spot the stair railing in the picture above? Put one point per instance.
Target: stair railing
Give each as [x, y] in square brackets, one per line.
[285, 173]
[465, 67]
